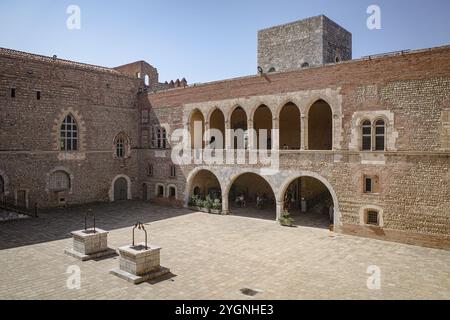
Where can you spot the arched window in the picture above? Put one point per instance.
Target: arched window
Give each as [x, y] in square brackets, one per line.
[379, 135]
[120, 147]
[147, 80]
[69, 134]
[272, 69]
[59, 181]
[366, 129]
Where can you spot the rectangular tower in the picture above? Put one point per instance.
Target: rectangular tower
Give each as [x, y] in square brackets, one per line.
[309, 42]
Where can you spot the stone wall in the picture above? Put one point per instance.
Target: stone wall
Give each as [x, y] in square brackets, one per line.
[104, 104]
[313, 41]
[413, 172]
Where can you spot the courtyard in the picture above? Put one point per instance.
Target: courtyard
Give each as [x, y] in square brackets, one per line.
[214, 257]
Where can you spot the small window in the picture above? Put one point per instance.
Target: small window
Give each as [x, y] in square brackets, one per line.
[305, 65]
[368, 185]
[172, 192]
[150, 170]
[38, 95]
[173, 171]
[379, 135]
[372, 218]
[366, 136]
[337, 59]
[272, 69]
[147, 80]
[371, 184]
[13, 92]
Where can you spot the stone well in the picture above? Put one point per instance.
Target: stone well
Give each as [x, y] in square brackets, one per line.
[139, 263]
[90, 244]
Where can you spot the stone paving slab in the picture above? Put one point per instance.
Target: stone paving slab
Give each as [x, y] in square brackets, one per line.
[214, 257]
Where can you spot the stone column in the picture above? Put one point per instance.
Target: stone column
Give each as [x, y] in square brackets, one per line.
[275, 134]
[304, 133]
[225, 208]
[280, 205]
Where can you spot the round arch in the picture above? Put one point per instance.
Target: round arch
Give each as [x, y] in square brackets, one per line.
[111, 189]
[252, 194]
[190, 182]
[285, 185]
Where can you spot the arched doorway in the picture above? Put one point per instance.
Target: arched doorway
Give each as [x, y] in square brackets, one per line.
[250, 195]
[320, 126]
[197, 129]
[262, 123]
[238, 123]
[120, 189]
[290, 133]
[204, 184]
[216, 125]
[204, 191]
[310, 202]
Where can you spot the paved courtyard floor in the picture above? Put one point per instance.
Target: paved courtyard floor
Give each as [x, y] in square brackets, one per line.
[213, 257]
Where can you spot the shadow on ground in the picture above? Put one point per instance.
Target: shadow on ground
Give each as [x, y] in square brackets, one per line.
[308, 219]
[56, 224]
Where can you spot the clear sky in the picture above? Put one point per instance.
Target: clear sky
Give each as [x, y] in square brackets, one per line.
[206, 40]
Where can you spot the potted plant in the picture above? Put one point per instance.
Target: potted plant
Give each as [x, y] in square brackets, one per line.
[194, 203]
[216, 207]
[286, 219]
[206, 205]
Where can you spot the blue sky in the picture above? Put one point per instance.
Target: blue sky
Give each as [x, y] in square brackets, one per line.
[206, 40]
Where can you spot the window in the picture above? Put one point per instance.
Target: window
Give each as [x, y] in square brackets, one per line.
[147, 80]
[379, 135]
[368, 185]
[120, 147]
[13, 92]
[144, 138]
[144, 116]
[305, 64]
[59, 181]
[371, 184]
[159, 138]
[173, 171]
[272, 69]
[150, 170]
[372, 218]
[38, 95]
[172, 192]
[69, 134]
[160, 191]
[366, 136]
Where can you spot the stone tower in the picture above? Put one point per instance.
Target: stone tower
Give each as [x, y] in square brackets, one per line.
[309, 42]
